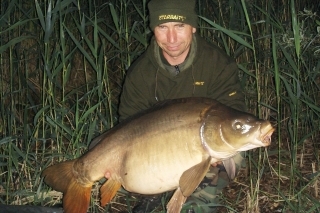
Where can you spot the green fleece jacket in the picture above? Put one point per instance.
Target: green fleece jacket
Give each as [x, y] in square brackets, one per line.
[206, 72]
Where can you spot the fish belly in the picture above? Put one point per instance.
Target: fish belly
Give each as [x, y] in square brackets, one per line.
[156, 166]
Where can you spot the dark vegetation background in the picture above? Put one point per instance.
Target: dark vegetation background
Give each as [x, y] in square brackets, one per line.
[62, 64]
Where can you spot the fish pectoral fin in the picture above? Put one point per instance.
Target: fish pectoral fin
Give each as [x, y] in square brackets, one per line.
[176, 202]
[192, 177]
[230, 167]
[108, 190]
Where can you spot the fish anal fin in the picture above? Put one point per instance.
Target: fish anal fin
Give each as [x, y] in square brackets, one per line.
[192, 177]
[108, 190]
[76, 194]
[230, 167]
[176, 202]
[76, 199]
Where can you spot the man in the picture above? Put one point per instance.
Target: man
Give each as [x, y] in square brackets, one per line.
[179, 63]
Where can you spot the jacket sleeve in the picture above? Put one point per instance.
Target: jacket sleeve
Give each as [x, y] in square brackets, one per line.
[226, 88]
[134, 96]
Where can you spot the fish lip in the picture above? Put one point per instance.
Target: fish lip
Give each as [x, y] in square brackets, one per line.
[266, 135]
[263, 138]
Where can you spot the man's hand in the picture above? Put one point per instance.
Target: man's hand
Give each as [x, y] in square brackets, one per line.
[216, 163]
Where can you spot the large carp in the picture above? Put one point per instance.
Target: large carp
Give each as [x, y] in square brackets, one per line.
[167, 147]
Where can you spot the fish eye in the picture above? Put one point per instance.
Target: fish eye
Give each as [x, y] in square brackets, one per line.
[238, 125]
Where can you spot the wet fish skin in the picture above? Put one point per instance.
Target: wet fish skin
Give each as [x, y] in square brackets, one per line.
[167, 147]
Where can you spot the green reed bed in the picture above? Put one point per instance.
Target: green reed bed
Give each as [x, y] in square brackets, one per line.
[62, 64]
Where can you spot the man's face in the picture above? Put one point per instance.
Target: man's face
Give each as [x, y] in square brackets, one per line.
[174, 38]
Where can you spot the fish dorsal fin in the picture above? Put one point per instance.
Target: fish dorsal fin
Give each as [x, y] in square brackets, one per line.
[97, 140]
[192, 177]
[176, 202]
[230, 167]
[108, 190]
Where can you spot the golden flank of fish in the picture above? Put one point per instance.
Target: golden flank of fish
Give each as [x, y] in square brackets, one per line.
[168, 147]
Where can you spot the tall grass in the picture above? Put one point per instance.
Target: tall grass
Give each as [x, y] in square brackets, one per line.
[62, 64]
[285, 92]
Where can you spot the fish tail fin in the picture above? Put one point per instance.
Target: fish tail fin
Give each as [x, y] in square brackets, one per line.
[76, 194]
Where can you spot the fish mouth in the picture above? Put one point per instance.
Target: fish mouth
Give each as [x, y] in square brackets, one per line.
[266, 133]
[263, 140]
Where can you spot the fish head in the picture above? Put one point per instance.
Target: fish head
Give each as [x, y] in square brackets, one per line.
[226, 131]
[246, 132]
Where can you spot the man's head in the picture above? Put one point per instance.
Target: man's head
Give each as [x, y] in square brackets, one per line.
[162, 11]
[174, 22]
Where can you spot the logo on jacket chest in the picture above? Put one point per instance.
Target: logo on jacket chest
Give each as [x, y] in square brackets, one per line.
[198, 83]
